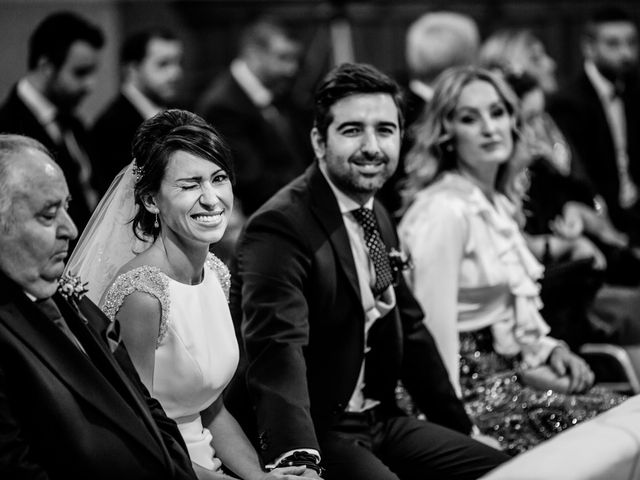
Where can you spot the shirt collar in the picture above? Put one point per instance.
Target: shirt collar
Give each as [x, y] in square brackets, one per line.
[421, 89]
[140, 101]
[603, 86]
[44, 111]
[346, 204]
[252, 86]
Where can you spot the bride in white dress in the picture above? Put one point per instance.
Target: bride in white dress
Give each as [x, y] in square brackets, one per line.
[145, 256]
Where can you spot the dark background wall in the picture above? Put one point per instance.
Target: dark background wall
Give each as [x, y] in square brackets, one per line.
[210, 30]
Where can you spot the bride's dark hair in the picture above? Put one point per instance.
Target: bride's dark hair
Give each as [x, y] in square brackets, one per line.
[155, 141]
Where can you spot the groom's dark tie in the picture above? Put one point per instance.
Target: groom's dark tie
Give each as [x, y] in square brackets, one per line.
[377, 250]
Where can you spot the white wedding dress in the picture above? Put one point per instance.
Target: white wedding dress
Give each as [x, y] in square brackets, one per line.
[196, 352]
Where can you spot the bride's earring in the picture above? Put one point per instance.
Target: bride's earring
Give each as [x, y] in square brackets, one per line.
[156, 224]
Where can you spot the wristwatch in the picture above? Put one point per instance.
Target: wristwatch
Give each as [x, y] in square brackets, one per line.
[299, 458]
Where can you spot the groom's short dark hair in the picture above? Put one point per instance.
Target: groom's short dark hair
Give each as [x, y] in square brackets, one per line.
[352, 79]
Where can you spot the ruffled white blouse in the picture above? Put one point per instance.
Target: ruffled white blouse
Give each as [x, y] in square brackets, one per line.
[473, 269]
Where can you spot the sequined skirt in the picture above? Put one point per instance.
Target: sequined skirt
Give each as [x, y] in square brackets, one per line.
[518, 416]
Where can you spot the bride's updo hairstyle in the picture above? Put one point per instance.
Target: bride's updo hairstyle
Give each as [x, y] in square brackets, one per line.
[155, 141]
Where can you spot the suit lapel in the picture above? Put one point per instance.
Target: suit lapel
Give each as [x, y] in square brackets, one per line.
[597, 114]
[106, 362]
[71, 366]
[27, 123]
[128, 111]
[325, 206]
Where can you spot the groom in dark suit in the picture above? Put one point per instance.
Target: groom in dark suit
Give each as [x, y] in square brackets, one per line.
[69, 407]
[329, 324]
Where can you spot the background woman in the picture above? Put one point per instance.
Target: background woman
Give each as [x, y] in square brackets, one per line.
[475, 276]
[169, 295]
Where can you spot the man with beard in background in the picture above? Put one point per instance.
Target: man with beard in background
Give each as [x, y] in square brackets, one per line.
[250, 104]
[64, 53]
[599, 111]
[151, 63]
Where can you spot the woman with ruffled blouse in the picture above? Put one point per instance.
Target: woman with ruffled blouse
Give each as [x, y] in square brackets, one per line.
[474, 274]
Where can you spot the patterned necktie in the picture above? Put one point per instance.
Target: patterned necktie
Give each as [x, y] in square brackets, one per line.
[377, 249]
[51, 311]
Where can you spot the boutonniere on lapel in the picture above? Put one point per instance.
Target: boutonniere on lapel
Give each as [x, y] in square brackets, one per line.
[71, 287]
[400, 262]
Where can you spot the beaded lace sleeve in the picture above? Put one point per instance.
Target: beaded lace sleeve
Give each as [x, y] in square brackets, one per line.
[222, 272]
[146, 279]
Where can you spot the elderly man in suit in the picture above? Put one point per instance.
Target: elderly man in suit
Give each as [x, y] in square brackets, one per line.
[63, 59]
[250, 104]
[329, 324]
[599, 111]
[69, 407]
[151, 62]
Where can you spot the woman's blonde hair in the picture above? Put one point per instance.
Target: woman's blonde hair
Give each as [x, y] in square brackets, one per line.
[434, 149]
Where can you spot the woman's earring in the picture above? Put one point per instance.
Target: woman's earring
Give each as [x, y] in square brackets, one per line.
[448, 147]
[156, 224]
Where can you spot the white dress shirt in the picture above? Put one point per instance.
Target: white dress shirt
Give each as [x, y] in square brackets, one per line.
[46, 113]
[252, 86]
[140, 101]
[374, 307]
[421, 89]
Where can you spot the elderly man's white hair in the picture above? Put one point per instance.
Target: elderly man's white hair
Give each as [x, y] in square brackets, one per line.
[439, 40]
[10, 145]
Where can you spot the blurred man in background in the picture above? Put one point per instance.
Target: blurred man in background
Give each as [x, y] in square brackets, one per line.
[151, 62]
[599, 111]
[64, 53]
[251, 106]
